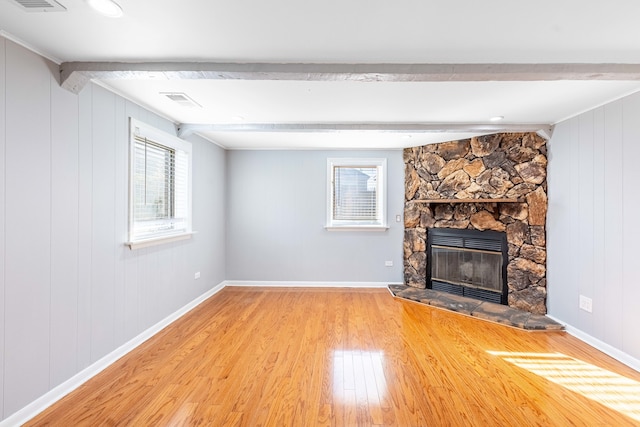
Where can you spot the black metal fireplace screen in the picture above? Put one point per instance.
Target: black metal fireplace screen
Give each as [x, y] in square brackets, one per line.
[470, 263]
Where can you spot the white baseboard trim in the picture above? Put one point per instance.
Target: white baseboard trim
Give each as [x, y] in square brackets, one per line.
[617, 354]
[305, 284]
[58, 392]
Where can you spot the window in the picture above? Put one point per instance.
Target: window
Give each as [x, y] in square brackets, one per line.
[160, 187]
[356, 194]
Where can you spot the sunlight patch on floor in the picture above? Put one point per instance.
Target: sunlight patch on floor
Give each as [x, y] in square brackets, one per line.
[608, 388]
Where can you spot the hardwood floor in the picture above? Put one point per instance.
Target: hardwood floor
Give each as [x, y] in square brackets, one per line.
[350, 357]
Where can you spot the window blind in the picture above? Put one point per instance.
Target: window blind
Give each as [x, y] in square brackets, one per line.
[355, 193]
[160, 189]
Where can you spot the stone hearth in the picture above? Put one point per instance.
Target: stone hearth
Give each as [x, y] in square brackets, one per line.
[500, 166]
[491, 312]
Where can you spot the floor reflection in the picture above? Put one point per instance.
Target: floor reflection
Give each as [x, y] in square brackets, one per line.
[610, 389]
[358, 375]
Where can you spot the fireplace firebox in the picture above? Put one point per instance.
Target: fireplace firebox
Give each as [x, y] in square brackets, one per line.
[470, 263]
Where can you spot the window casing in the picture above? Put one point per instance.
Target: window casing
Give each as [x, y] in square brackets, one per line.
[160, 186]
[356, 192]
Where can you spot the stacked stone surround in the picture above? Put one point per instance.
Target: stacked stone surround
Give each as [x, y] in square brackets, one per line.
[500, 166]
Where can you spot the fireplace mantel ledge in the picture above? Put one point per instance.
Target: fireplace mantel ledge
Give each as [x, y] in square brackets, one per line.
[467, 201]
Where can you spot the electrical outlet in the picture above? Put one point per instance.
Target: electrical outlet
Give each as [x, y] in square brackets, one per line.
[388, 263]
[398, 218]
[197, 275]
[586, 303]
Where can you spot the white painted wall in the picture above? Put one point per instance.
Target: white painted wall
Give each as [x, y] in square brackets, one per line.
[71, 291]
[277, 213]
[594, 225]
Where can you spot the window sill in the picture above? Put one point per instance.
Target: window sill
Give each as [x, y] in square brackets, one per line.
[356, 227]
[154, 241]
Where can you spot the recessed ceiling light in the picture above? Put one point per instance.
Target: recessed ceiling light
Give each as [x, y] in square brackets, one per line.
[496, 118]
[106, 7]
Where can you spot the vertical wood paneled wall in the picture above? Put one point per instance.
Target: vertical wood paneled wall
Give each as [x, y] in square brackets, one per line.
[71, 291]
[594, 223]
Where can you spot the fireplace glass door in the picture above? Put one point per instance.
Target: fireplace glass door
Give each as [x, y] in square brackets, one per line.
[467, 267]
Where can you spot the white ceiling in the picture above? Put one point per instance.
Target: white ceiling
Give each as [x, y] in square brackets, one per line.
[346, 32]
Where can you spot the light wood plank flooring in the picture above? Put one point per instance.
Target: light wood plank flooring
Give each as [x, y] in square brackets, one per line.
[350, 357]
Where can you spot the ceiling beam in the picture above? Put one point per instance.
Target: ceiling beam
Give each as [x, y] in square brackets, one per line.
[186, 129]
[75, 75]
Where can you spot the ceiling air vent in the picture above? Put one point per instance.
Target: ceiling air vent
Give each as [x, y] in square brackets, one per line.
[40, 5]
[181, 98]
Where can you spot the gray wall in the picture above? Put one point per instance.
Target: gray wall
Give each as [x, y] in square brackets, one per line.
[71, 291]
[594, 223]
[277, 212]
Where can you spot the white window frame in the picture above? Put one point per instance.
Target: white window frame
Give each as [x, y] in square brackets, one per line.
[138, 129]
[380, 224]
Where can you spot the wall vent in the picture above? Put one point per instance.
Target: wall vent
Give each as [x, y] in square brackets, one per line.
[40, 5]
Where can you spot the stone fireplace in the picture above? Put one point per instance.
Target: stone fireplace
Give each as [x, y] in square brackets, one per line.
[495, 182]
